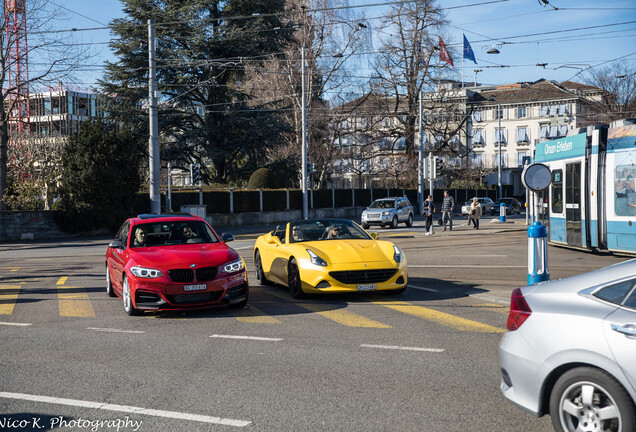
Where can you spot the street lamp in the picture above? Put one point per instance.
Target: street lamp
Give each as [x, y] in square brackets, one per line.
[498, 135]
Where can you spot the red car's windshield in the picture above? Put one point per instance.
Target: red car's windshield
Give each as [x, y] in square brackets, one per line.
[172, 233]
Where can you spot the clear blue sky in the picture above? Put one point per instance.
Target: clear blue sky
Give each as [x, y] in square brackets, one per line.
[525, 32]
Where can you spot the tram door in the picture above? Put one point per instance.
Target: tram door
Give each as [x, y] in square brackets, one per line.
[573, 203]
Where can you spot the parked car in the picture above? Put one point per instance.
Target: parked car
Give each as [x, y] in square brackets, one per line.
[329, 256]
[570, 350]
[513, 206]
[173, 261]
[388, 211]
[486, 205]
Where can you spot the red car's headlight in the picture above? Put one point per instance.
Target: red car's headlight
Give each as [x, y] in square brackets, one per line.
[234, 266]
[147, 273]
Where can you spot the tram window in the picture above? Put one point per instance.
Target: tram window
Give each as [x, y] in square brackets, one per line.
[624, 204]
[557, 191]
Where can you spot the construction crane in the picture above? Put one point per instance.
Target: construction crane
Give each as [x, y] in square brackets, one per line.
[17, 88]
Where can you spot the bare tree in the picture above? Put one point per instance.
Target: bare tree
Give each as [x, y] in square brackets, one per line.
[52, 58]
[330, 40]
[618, 80]
[407, 61]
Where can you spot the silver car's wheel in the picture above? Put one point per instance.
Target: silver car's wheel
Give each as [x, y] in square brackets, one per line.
[587, 399]
[127, 298]
[109, 284]
[394, 222]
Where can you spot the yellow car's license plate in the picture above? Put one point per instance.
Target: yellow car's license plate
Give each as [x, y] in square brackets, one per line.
[367, 287]
[198, 287]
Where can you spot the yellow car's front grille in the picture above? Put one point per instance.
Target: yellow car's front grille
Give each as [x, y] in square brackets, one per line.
[363, 276]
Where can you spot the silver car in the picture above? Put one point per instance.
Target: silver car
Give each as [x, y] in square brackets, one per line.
[571, 350]
[388, 211]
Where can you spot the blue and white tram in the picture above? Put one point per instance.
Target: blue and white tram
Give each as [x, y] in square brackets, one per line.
[591, 203]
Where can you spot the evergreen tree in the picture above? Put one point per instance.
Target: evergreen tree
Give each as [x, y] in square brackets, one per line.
[100, 177]
[203, 47]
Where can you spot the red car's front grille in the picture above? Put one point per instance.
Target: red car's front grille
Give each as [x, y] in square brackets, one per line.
[206, 274]
[181, 275]
[195, 298]
[187, 275]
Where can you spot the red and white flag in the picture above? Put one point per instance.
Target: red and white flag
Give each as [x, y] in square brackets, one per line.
[443, 53]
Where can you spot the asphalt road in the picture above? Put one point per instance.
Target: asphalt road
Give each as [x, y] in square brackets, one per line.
[71, 359]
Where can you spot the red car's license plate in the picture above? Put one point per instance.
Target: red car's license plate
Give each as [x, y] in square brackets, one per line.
[198, 287]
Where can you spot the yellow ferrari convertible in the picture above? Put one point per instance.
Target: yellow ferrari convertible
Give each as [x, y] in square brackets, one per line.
[327, 256]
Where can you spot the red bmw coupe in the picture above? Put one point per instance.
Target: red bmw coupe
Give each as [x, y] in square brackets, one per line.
[173, 261]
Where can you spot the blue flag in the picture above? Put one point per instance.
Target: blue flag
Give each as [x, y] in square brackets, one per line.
[468, 51]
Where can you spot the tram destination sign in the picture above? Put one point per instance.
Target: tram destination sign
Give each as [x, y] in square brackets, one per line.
[562, 148]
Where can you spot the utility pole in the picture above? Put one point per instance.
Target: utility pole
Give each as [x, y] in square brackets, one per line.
[420, 162]
[304, 138]
[499, 113]
[153, 141]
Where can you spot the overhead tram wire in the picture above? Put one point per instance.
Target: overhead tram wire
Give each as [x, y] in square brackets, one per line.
[266, 15]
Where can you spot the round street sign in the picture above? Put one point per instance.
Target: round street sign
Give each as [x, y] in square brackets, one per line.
[536, 177]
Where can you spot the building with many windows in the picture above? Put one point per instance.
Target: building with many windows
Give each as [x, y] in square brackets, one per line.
[484, 127]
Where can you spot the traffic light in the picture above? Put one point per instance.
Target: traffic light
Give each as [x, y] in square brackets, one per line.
[195, 172]
[439, 166]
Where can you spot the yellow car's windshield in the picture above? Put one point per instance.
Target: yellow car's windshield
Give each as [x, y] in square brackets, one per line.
[325, 229]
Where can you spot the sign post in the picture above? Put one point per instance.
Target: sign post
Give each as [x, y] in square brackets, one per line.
[536, 178]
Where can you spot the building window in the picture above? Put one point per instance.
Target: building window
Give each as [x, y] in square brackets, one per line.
[563, 130]
[500, 136]
[553, 110]
[500, 159]
[477, 116]
[553, 132]
[478, 138]
[543, 132]
[521, 112]
[544, 110]
[522, 135]
[521, 157]
[562, 110]
[475, 160]
[499, 113]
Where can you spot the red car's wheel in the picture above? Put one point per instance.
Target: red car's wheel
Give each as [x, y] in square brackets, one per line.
[109, 284]
[127, 298]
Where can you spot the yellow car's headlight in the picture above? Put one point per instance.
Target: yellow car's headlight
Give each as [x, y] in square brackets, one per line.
[397, 254]
[315, 259]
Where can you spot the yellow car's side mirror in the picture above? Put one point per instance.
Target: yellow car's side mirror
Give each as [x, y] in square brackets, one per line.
[375, 235]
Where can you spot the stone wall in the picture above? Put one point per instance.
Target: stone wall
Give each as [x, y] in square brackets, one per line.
[40, 225]
[28, 225]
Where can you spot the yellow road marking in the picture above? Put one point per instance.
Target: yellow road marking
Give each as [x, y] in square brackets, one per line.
[252, 314]
[341, 316]
[494, 307]
[8, 296]
[440, 317]
[13, 269]
[73, 304]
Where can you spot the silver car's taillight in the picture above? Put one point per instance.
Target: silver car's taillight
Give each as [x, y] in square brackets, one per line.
[519, 310]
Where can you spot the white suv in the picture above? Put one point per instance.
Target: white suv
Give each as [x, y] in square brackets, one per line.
[388, 211]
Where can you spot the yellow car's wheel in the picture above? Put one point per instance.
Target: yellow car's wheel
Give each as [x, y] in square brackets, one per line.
[293, 280]
[258, 266]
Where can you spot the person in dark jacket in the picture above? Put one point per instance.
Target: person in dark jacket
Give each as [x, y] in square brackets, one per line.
[429, 209]
[447, 210]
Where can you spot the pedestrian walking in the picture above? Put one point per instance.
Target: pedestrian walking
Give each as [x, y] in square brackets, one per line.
[447, 210]
[429, 209]
[475, 212]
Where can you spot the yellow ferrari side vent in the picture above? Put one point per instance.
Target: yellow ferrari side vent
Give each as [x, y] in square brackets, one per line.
[323, 284]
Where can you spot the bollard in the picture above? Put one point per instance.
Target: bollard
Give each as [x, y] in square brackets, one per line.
[502, 212]
[537, 253]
